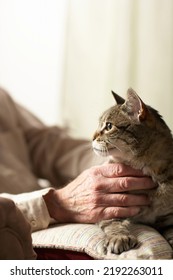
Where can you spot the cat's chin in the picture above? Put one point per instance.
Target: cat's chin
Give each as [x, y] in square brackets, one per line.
[100, 152]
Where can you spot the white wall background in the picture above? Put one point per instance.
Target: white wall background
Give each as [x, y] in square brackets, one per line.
[32, 44]
[61, 58]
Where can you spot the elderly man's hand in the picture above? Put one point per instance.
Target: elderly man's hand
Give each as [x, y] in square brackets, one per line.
[99, 193]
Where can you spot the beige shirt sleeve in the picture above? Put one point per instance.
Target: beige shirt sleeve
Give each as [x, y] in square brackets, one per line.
[33, 207]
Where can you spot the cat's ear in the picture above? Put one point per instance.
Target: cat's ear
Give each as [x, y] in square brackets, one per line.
[119, 100]
[135, 106]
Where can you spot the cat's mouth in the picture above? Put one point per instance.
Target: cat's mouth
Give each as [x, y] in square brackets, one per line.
[102, 150]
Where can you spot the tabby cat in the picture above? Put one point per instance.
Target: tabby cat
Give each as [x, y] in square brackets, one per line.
[134, 133]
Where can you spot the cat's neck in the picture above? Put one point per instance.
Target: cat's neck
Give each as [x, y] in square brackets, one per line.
[154, 162]
[158, 160]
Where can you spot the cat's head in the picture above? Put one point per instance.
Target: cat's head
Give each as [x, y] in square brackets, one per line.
[128, 129]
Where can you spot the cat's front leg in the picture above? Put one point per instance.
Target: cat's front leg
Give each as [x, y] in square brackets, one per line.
[117, 236]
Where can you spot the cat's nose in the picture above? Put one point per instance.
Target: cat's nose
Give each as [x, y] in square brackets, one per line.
[96, 134]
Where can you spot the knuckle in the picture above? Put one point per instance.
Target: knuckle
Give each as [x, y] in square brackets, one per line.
[111, 213]
[119, 169]
[124, 183]
[94, 171]
[95, 179]
[117, 212]
[115, 169]
[106, 214]
[95, 199]
[123, 200]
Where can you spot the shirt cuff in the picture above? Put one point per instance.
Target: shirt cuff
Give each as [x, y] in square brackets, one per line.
[33, 207]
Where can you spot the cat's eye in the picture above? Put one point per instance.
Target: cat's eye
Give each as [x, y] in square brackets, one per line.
[108, 126]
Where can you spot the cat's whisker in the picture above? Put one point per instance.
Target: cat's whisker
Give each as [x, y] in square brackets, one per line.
[136, 140]
[133, 153]
[95, 160]
[104, 151]
[114, 146]
[88, 145]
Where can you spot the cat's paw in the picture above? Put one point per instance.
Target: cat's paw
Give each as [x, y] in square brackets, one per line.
[117, 244]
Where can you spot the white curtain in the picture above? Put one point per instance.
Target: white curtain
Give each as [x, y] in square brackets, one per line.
[62, 58]
[113, 45]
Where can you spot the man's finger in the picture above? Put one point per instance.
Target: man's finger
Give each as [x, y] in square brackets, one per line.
[112, 170]
[120, 212]
[124, 184]
[123, 200]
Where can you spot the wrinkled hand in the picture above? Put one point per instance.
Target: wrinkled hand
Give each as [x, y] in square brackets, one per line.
[99, 193]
